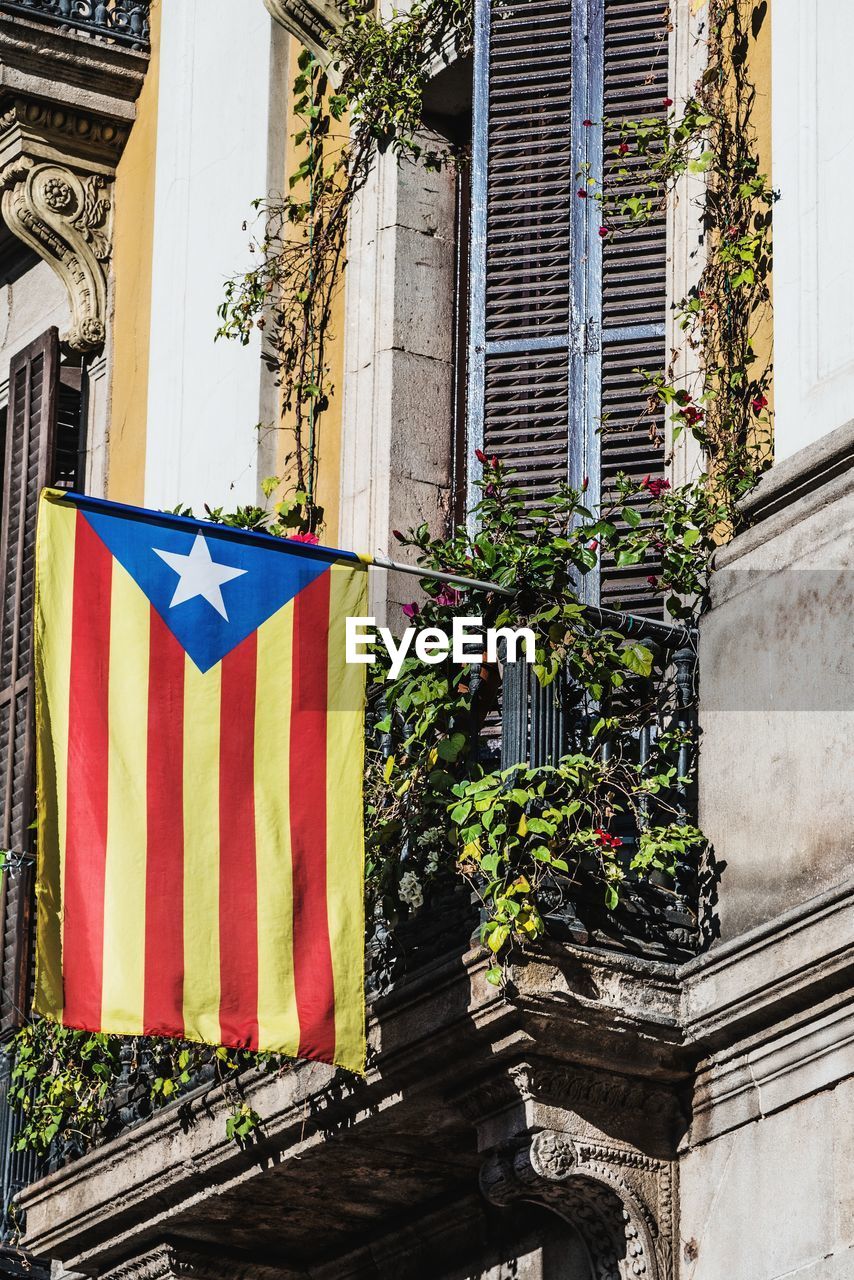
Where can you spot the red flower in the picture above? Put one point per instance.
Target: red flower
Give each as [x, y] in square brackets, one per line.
[668, 102]
[311, 538]
[623, 148]
[449, 595]
[759, 404]
[732, 231]
[652, 580]
[397, 534]
[603, 231]
[480, 455]
[584, 483]
[692, 415]
[587, 123]
[607, 840]
[593, 544]
[655, 487]
[581, 193]
[490, 491]
[493, 461]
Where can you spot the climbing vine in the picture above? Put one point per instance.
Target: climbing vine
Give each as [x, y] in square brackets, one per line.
[437, 809]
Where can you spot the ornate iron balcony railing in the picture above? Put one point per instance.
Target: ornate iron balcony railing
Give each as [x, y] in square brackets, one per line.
[123, 21]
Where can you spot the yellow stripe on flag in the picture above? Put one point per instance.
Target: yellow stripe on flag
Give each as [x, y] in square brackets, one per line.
[54, 597]
[278, 1024]
[201, 853]
[345, 857]
[123, 989]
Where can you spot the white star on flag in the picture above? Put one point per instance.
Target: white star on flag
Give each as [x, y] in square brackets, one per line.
[199, 575]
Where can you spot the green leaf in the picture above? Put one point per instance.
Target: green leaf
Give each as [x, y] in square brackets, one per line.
[638, 659]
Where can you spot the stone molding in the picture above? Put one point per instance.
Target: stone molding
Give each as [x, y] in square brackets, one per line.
[57, 167]
[619, 1200]
[311, 21]
[173, 1262]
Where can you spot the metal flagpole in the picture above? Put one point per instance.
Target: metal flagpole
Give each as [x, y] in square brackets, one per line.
[626, 623]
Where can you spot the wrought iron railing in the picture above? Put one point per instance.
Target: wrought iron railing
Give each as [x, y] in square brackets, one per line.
[657, 916]
[123, 21]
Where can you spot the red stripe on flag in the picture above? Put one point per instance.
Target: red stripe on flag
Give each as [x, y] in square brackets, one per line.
[313, 977]
[88, 757]
[164, 871]
[238, 893]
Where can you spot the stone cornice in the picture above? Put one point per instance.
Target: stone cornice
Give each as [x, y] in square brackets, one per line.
[66, 68]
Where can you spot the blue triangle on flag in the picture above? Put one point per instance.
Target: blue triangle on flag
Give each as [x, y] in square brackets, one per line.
[212, 589]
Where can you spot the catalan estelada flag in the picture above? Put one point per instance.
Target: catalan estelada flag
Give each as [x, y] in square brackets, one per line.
[200, 753]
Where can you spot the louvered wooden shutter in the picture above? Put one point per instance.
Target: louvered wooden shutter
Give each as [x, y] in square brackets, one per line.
[560, 319]
[29, 464]
[634, 279]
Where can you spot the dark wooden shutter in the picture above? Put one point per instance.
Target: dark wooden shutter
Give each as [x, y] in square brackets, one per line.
[29, 465]
[561, 318]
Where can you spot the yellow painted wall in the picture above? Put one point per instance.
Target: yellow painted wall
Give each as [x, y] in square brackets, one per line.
[133, 239]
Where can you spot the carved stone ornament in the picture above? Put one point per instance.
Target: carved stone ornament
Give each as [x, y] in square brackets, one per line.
[66, 218]
[57, 166]
[619, 1201]
[311, 21]
[170, 1262]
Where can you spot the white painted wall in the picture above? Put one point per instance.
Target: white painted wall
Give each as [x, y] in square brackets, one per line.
[813, 168]
[216, 129]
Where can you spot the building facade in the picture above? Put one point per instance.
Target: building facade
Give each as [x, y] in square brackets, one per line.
[665, 1101]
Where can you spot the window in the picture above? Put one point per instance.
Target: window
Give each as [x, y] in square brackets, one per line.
[563, 317]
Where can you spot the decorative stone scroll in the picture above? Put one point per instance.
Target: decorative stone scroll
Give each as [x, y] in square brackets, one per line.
[56, 177]
[67, 219]
[619, 1200]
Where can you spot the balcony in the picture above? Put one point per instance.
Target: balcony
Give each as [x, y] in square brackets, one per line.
[410, 966]
[120, 21]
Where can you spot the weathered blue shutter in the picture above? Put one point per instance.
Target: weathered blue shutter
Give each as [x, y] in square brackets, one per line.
[560, 317]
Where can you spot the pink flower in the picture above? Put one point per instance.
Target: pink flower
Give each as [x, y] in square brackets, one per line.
[448, 596]
[311, 538]
[410, 610]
